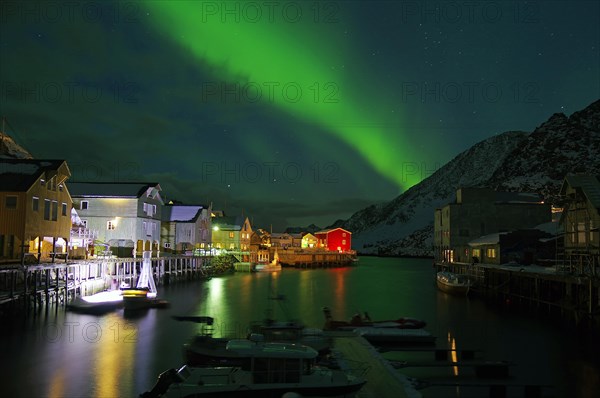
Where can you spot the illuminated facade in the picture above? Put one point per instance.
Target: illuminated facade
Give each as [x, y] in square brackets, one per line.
[231, 233]
[126, 216]
[35, 209]
[336, 239]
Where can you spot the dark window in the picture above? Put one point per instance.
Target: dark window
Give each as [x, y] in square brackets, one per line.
[11, 202]
[35, 204]
[54, 210]
[84, 205]
[46, 209]
[64, 209]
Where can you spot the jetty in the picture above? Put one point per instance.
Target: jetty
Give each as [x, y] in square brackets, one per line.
[554, 290]
[59, 283]
[383, 380]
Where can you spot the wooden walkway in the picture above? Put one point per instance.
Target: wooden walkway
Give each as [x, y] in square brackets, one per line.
[383, 381]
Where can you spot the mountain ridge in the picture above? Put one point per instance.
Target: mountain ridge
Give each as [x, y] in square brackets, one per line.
[534, 161]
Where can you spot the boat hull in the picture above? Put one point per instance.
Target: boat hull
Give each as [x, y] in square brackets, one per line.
[451, 284]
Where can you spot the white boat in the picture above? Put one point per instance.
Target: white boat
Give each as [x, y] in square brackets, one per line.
[268, 267]
[265, 370]
[452, 283]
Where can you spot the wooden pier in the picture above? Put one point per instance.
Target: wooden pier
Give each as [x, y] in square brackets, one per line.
[383, 381]
[59, 283]
[315, 258]
[545, 289]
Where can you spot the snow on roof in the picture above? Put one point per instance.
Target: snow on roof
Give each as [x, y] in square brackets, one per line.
[181, 213]
[491, 239]
[518, 197]
[109, 189]
[550, 227]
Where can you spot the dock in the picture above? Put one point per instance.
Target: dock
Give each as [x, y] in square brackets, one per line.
[383, 380]
[58, 283]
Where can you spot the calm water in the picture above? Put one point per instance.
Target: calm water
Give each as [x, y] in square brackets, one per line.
[62, 354]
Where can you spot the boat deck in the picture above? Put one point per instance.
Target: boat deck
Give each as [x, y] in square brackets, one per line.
[383, 380]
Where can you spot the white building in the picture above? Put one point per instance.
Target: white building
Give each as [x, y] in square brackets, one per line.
[186, 228]
[126, 216]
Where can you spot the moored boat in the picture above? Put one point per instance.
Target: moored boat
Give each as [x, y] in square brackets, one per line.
[365, 321]
[265, 370]
[204, 350]
[452, 283]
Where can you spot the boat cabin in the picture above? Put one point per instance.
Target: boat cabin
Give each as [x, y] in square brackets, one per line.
[274, 362]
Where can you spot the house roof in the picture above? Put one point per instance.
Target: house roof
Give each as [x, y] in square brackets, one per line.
[589, 184]
[229, 223]
[110, 189]
[181, 213]
[279, 235]
[490, 239]
[18, 175]
[518, 197]
[326, 231]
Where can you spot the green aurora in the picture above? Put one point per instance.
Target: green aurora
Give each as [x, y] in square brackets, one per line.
[299, 68]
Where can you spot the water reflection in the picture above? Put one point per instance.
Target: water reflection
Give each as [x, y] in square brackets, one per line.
[60, 354]
[114, 354]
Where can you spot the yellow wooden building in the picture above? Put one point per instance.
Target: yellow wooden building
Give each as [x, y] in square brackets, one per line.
[35, 209]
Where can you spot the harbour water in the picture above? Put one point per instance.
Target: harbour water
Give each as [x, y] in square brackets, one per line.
[54, 353]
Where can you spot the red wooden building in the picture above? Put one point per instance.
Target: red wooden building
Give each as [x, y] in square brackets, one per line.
[336, 239]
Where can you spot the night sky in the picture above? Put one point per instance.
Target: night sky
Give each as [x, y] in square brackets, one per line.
[294, 112]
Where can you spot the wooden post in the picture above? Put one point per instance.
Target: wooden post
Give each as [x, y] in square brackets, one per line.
[53, 249]
[47, 272]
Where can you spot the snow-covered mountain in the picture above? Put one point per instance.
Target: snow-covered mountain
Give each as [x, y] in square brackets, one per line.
[9, 149]
[515, 160]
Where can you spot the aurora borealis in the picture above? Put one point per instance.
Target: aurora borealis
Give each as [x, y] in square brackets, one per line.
[260, 47]
[292, 111]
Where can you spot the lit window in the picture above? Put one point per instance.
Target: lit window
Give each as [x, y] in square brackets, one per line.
[110, 225]
[491, 253]
[11, 202]
[343, 241]
[231, 246]
[231, 235]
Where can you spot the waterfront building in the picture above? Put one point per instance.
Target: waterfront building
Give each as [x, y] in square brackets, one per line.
[580, 220]
[524, 247]
[336, 239]
[186, 229]
[82, 239]
[231, 233]
[481, 211]
[281, 240]
[35, 209]
[126, 215]
[308, 241]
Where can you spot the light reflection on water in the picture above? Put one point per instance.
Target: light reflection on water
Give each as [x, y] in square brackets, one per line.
[61, 354]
